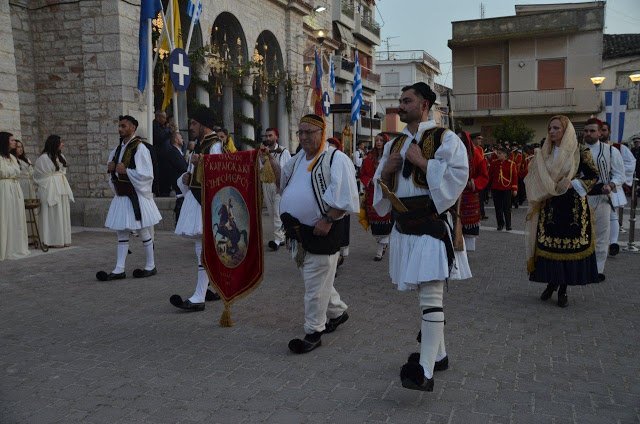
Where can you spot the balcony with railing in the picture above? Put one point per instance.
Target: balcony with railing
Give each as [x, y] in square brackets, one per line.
[370, 79]
[367, 28]
[344, 12]
[344, 68]
[519, 102]
[419, 56]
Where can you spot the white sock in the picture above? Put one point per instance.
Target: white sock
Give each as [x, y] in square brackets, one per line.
[147, 242]
[381, 247]
[615, 227]
[123, 250]
[344, 251]
[441, 352]
[432, 335]
[201, 287]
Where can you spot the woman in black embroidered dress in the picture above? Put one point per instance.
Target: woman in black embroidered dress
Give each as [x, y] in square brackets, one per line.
[560, 233]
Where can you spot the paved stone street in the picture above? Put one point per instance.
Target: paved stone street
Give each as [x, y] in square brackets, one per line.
[73, 349]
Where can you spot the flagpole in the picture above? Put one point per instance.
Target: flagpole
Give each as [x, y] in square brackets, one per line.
[149, 82]
[172, 36]
[195, 12]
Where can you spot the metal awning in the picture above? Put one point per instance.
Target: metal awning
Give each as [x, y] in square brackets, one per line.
[346, 36]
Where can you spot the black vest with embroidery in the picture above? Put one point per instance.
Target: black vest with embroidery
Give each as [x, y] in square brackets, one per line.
[198, 172]
[122, 184]
[429, 142]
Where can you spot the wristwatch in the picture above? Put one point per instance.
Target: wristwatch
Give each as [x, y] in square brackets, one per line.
[329, 218]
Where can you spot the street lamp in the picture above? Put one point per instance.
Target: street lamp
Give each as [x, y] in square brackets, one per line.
[321, 35]
[318, 9]
[635, 77]
[597, 80]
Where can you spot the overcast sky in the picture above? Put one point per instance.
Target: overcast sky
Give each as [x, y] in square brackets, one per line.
[426, 24]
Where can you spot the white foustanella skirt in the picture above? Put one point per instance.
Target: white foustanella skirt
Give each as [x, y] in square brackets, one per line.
[121, 216]
[190, 221]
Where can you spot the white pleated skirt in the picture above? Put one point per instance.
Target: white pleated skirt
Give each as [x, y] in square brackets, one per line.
[190, 221]
[121, 216]
[418, 259]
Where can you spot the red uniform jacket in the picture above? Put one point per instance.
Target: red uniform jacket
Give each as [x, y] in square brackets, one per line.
[521, 162]
[504, 175]
[478, 172]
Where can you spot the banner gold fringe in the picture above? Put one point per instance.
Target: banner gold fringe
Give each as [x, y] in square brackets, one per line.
[267, 175]
[225, 318]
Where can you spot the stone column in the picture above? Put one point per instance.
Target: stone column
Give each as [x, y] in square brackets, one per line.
[283, 119]
[10, 99]
[227, 105]
[247, 108]
[264, 111]
[202, 70]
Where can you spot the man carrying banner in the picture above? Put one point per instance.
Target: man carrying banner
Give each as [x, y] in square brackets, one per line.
[318, 186]
[270, 191]
[190, 221]
[130, 170]
[421, 175]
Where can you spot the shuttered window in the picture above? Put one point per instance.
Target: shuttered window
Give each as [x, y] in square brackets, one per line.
[489, 80]
[550, 74]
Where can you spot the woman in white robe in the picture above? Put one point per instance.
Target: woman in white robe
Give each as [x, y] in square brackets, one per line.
[54, 193]
[13, 228]
[25, 179]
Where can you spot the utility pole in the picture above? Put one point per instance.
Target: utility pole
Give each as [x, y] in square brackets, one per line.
[386, 42]
[482, 9]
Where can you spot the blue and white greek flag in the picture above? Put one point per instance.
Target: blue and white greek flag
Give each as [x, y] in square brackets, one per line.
[332, 75]
[194, 8]
[356, 102]
[616, 106]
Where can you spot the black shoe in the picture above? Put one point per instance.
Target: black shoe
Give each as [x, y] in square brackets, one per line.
[273, 245]
[614, 249]
[333, 323]
[103, 276]
[500, 227]
[143, 273]
[177, 301]
[601, 277]
[310, 342]
[440, 365]
[340, 261]
[563, 299]
[412, 377]
[211, 296]
[509, 228]
[484, 218]
[546, 294]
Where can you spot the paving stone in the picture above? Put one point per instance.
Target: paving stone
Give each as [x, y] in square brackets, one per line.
[76, 350]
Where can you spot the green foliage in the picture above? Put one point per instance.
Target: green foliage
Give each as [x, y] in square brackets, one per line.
[513, 130]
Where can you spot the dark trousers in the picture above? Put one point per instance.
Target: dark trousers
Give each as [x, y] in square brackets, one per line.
[522, 192]
[502, 202]
[482, 194]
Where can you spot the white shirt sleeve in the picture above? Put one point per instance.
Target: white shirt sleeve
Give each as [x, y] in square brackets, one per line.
[617, 167]
[629, 164]
[142, 176]
[284, 157]
[111, 159]
[578, 187]
[381, 204]
[342, 193]
[448, 172]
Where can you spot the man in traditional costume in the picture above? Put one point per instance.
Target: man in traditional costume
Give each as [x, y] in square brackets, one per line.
[478, 180]
[318, 186]
[611, 167]
[618, 198]
[132, 209]
[190, 221]
[269, 189]
[504, 183]
[424, 172]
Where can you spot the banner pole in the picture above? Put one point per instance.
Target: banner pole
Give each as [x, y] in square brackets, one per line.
[149, 83]
[195, 11]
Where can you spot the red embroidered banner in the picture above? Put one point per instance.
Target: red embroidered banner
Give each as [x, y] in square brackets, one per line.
[232, 221]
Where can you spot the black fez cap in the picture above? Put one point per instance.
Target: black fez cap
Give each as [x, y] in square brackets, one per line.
[423, 90]
[129, 118]
[204, 116]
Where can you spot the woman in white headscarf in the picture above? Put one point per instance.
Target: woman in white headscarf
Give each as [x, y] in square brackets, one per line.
[559, 230]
